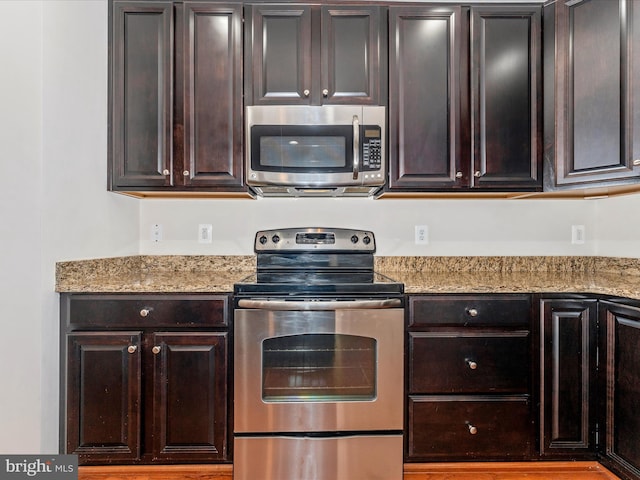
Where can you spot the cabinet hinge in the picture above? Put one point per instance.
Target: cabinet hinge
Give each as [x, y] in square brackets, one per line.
[597, 439]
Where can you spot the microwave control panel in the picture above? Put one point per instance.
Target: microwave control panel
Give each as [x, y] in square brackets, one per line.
[371, 147]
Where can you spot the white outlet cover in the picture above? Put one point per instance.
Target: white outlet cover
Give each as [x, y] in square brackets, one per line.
[205, 233]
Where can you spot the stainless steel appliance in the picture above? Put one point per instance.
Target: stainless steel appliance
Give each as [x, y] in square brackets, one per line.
[330, 150]
[318, 361]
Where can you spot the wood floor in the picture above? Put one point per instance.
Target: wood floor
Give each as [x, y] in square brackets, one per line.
[422, 471]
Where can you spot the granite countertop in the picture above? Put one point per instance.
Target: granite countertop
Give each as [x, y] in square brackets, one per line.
[217, 274]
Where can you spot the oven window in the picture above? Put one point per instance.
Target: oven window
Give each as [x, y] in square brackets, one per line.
[307, 152]
[319, 367]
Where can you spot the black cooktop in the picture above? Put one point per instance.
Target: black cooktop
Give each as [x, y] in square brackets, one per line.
[316, 261]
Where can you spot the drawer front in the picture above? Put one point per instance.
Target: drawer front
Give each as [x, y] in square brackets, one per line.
[470, 310]
[139, 311]
[449, 427]
[468, 362]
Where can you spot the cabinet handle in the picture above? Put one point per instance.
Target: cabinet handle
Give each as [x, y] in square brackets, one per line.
[472, 430]
[471, 364]
[477, 174]
[185, 173]
[132, 349]
[156, 350]
[165, 172]
[306, 93]
[636, 162]
[145, 311]
[473, 312]
[325, 93]
[458, 174]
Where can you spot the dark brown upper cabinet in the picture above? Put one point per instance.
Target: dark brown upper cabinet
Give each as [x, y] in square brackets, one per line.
[592, 92]
[176, 97]
[464, 98]
[313, 55]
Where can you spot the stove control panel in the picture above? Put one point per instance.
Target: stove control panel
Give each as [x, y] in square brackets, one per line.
[315, 240]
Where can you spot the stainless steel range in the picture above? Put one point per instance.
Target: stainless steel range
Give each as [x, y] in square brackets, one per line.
[318, 361]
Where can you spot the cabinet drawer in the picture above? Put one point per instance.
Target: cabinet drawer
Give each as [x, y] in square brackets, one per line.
[461, 362]
[468, 427]
[484, 310]
[125, 311]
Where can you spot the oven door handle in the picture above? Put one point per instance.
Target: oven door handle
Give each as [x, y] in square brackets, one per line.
[319, 305]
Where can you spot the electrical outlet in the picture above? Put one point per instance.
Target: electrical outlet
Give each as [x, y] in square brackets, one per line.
[156, 232]
[205, 233]
[577, 234]
[421, 235]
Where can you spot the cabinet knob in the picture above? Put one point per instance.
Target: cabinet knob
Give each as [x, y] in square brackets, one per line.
[145, 311]
[132, 349]
[477, 174]
[306, 93]
[325, 93]
[471, 364]
[156, 350]
[636, 162]
[458, 174]
[165, 172]
[472, 312]
[185, 173]
[472, 430]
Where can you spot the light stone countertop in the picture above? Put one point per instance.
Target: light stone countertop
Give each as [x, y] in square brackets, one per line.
[429, 275]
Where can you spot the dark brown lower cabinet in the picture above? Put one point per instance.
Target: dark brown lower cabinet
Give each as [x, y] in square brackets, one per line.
[141, 395]
[469, 378]
[568, 376]
[621, 342]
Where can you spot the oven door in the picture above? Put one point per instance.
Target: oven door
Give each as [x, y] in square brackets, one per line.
[318, 367]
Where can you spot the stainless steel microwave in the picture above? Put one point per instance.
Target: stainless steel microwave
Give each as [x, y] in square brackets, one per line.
[333, 150]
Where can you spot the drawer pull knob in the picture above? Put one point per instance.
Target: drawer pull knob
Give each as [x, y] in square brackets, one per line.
[473, 312]
[132, 349]
[472, 430]
[156, 350]
[472, 365]
[145, 311]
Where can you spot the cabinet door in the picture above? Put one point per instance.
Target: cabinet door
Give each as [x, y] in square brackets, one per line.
[425, 67]
[594, 85]
[189, 396]
[279, 39]
[622, 334]
[141, 77]
[567, 376]
[506, 97]
[211, 76]
[352, 48]
[103, 396]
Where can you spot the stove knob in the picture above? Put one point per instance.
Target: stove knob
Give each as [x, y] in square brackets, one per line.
[354, 239]
[275, 239]
[263, 240]
[366, 240]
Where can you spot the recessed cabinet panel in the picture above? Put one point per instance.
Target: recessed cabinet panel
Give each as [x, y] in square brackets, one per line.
[505, 96]
[424, 108]
[596, 85]
[141, 95]
[567, 376]
[212, 95]
[190, 395]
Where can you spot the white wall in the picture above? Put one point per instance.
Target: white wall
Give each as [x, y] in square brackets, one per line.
[456, 227]
[54, 205]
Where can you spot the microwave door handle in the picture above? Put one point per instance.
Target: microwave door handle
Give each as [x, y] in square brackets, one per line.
[356, 146]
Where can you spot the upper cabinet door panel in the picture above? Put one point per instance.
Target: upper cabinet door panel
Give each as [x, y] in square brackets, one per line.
[424, 100]
[351, 54]
[505, 96]
[141, 95]
[594, 86]
[212, 99]
[280, 42]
